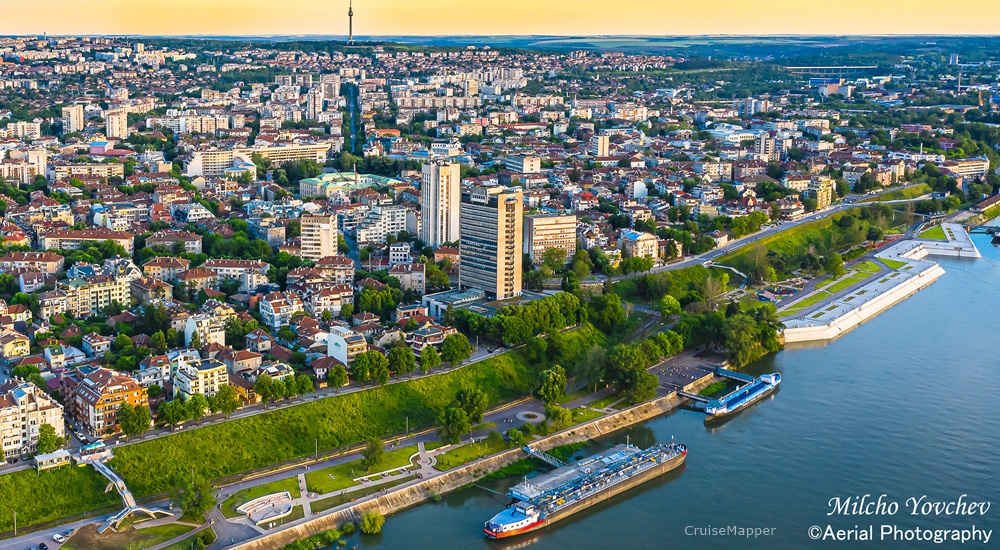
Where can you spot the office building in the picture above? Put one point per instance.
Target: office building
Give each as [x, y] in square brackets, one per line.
[545, 231]
[439, 202]
[491, 239]
[318, 237]
[524, 164]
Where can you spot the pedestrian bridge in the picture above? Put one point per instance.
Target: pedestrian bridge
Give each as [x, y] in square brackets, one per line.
[131, 507]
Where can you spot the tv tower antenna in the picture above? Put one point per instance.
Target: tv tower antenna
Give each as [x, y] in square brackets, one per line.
[350, 23]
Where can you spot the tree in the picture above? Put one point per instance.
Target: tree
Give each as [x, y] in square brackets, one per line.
[171, 413]
[133, 420]
[372, 454]
[122, 342]
[264, 388]
[48, 441]
[194, 496]
[669, 306]
[196, 407]
[559, 416]
[834, 264]
[237, 330]
[429, 359]
[195, 340]
[455, 349]
[454, 422]
[380, 368]
[371, 365]
[553, 384]
[337, 377]
[304, 384]
[227, 400]
[517, 438]
[402, 360]
[608, 312]
[593, 366]
[554, 258]
[372, 522]
[154, 391]
[326, 316]
[158, 341]
[474, 402]
[536, 348]
[347, 311]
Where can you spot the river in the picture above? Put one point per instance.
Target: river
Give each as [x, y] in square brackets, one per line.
[906, 405]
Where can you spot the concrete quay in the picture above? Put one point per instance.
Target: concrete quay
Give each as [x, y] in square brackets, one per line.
[843, 313]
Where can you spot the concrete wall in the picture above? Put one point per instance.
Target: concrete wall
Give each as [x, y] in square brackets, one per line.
[865, 311]
[417, 492]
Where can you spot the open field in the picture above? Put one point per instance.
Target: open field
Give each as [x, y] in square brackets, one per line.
[936, 233]
[53, 494]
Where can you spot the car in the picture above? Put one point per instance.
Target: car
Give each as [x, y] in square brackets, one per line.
[43, 546]
[58, 538]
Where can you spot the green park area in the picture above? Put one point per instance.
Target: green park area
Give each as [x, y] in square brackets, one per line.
[53, 494]
[243, 496]
[901, 194]
[935, 233]
[469, 452]
[125, 538]
[893, 264]
[341, 476]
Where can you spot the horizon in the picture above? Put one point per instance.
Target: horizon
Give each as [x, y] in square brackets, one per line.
[643, 18]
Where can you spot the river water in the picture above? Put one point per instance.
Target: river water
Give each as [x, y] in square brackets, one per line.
[906, 405]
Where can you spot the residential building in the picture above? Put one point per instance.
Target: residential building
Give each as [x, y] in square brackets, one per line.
[48, 263]
[204, 376]
[24, 408]
[491, 241]
[545, 231]
[277, 309]
[13, 345]
[380, 222]
[336, 269]
[209, 328]
[86, 296]
[318, 236]
[190, 242]
[249, 273]
[96, 345]
[440, 200]
[165, 268]
[72, 119]
[116, 124]
[411, 277]
[600, 146]
[400, 253]
[822, 189]
[638, 244]
[98, 396]
[73, 239]
[330, 298]
[344, 344]
[523, 164]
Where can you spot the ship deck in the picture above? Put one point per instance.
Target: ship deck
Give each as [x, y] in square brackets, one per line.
[742, 393]
[562, 476]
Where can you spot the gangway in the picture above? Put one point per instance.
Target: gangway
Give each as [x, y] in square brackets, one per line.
[544, 457]
[733, 375]
[693, 396]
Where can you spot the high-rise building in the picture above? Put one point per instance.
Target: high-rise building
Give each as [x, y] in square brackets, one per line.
[318, 236]
[72, 118]
[524, 164]
[330, 84]
[24, 408]
[117, 123]
[766, 146]
[440, 197]
[491, 238]
[600, 146]
[314, 103]
[545, 231]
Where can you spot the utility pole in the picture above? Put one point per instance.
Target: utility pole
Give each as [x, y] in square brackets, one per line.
[317, 448]
[407, 426]
[15, 523]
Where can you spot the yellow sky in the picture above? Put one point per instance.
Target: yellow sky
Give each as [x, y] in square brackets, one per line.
[480, 17]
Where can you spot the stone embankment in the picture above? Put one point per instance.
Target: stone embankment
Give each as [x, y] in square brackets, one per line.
[406, 496]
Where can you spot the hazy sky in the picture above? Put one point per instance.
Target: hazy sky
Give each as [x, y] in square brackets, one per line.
[481, 17]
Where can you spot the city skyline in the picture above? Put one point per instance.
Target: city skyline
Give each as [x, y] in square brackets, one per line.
[515, 17]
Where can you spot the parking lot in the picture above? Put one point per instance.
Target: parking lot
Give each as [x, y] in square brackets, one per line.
[679, 371]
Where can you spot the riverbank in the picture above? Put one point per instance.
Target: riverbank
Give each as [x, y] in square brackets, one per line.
[911, 272]
[420, 491]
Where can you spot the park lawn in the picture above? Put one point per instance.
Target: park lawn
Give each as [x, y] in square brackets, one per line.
[866, 266]
[87, 537]
[240, 498]
[319, 481]
[468, 453]
[318, 506]
[583, 414]
[53, 494]
[713, 388]
[261, 440]
[893, 264]
[935, 233]
[207, 536]
[483, 426]
[431, 445]
[846, 282]
[814, 298]
[605, 402]
[578, 394]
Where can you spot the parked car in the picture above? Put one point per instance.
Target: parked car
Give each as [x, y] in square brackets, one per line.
[43, 546]
[58, 538]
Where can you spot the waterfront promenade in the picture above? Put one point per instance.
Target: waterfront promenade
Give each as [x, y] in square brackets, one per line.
[905, 271]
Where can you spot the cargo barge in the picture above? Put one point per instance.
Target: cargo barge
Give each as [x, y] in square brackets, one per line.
[572, 488]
